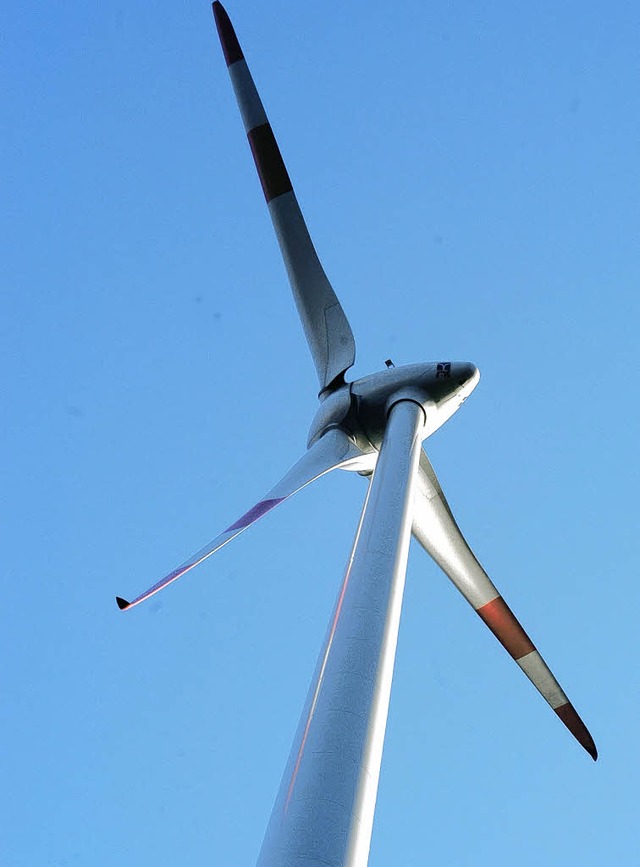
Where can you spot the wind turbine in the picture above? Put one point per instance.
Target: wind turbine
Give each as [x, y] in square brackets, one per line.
[323, 813]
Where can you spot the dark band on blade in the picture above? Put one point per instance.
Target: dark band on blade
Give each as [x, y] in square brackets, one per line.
[269, 163]
[254, 513]
[228, 38]
[503, 623]
[122, 603]
[578, 729]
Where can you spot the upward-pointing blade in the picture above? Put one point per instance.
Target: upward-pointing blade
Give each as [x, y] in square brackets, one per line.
[324, 322]
[436, 530]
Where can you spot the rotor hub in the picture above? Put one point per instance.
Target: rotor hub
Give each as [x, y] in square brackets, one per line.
[361, 407]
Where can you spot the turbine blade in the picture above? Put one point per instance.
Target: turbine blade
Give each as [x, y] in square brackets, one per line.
[334, 450]
[435, 528]
[324, 322]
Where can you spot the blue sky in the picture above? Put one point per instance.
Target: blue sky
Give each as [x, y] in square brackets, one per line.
[469, 175]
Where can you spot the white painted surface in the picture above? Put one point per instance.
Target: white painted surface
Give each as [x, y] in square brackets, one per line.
[323, 814]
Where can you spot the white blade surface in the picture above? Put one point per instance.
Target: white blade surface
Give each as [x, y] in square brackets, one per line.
[332, 451]
[436, 530]
[324, 322]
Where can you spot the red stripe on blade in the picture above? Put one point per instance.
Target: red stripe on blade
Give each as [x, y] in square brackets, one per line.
[254, 513]
[578, 729]
[271, 168]
[228, 38]
[503, 623]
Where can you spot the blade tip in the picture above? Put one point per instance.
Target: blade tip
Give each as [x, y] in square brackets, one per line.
[122, 603]
[228, 39]
[578, 729]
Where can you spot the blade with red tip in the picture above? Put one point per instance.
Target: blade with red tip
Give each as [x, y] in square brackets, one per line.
[324, 322]
[435, 528]
[334, 450]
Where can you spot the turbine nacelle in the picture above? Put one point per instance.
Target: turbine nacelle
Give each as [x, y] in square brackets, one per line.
[361, 407]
